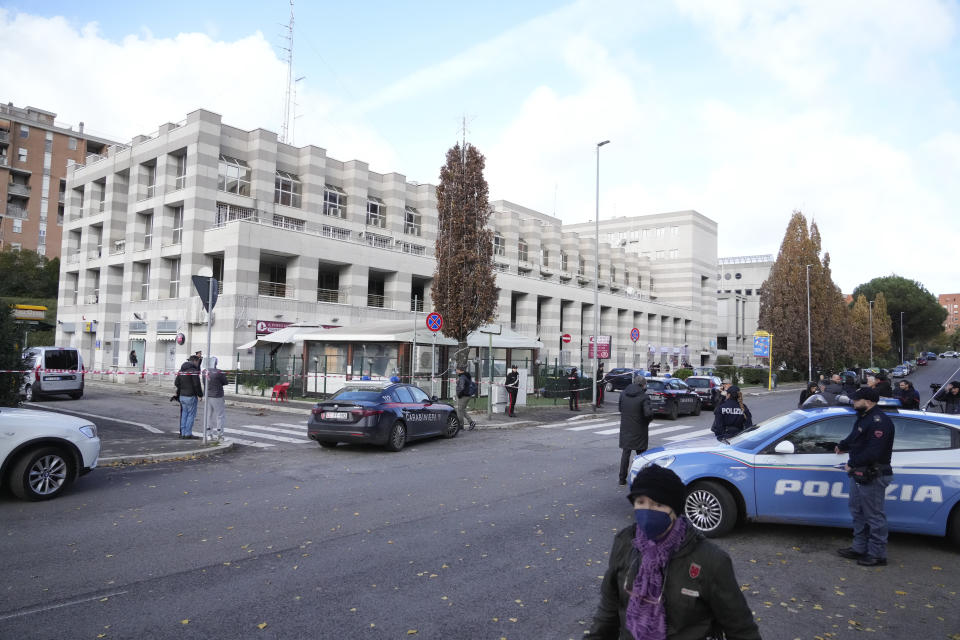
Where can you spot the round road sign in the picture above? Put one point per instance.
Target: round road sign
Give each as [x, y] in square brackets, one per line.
[635, 334]
[566, 338]
[434, 322]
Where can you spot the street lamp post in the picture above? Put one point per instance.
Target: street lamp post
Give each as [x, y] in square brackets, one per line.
[809, 336]
[901, 337]
[871, 334]
[596, 281]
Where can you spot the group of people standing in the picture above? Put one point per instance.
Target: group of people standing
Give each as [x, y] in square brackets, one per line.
[191, 383]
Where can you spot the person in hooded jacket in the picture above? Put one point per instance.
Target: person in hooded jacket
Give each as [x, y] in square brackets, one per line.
[731, 416]
[189, 391]
[635, 414]
[811, 389]
[909, 397]
[883, 386]
[665, 581]
[214, 380]
[949, 395]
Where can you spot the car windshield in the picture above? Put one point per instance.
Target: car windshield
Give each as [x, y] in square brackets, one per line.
[697, 382]
[756, 435]
[656, 385]
[353, 394]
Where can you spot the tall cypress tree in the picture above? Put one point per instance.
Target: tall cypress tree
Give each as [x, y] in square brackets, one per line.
[10, 360]
[464, 286]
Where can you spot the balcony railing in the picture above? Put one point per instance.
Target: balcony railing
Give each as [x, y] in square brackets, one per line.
[335, 296]
[119, 246]
[378, 241]
[416, 304]
[274, 289]
[375, 300]
[14, 211]
[17, 189]
[334, 232]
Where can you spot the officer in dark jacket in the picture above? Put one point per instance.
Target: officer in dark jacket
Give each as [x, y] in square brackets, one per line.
[463, 397]
[573, 383]
[870, 445]
[835, 385]
[512, 385]
[600, 382]
[635, 414]
[949, 395]
[664, 580]
[883, 386]
[731, 416]
[189, 391]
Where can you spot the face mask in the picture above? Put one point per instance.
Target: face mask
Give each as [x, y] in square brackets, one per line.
[652, 523]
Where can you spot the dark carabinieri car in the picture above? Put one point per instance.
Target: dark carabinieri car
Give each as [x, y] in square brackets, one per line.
[671, 397]
[381, 414]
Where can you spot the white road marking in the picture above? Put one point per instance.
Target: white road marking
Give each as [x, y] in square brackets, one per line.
[274, 429]
[149, 428]
[679, 427]
[51, 607]
[608, 432]
[268, 436]
[302, 426]
[566, 425]
[250, 443]
[591, 426]
[689, 436]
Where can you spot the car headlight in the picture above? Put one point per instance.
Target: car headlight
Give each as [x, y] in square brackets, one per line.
[665, 461]
[89, 430]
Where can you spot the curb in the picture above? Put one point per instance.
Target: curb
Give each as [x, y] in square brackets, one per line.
[116, 461]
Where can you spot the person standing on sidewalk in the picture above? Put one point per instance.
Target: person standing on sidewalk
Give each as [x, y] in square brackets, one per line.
[635, 413]
[512, 385]
[464, 382]
[189, 391]
[573, 384]
[599, 382]
[870, 445]
[216, 403]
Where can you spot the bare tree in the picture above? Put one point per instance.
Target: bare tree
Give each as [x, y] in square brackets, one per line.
[464, 286]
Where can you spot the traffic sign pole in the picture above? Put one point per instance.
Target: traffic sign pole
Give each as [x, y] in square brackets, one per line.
[434, 323]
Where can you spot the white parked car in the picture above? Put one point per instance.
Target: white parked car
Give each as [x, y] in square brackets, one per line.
[42, 453]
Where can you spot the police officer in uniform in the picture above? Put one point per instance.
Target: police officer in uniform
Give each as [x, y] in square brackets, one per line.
[870, 445]
[731, 416]
[512, 385]
[600, 384]
[573, 381]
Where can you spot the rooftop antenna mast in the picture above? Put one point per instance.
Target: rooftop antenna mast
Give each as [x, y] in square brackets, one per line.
[288, 100]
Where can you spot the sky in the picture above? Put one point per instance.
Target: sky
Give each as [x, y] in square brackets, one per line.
[744, 110]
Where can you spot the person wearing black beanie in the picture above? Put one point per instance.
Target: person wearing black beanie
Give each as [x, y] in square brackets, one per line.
[664, 575]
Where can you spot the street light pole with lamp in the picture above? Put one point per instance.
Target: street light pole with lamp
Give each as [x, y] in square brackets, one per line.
[901, 338]
[596, 282]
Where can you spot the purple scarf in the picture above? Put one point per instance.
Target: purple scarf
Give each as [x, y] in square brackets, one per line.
[646, 615]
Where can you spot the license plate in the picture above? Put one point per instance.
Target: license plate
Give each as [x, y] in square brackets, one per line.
[335, 415]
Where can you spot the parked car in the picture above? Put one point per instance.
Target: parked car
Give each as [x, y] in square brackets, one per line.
[921, 361]
[42, 453]
[899, 371]
[618, 379]
[52, 370]
[951, 354]
[388, 414]
[785, 470]
[930, 355]
[671, 397]
[708, 388]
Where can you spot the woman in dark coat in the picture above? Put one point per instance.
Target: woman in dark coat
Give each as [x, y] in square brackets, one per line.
[811, 389]
[635, 414]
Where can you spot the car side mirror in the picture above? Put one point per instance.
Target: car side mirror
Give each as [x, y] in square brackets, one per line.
[784, 447]
[434, 399]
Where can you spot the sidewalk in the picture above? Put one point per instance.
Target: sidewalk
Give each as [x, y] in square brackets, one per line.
[150, 444]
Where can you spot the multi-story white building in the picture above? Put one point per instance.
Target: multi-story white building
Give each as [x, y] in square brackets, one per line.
[292, 235]
[739, 283]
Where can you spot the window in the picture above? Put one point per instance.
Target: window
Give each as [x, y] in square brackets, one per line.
[722, 343]
[675, 231]
[613, 276]
[149, 177]
[522, 250]
[233, 176]
[545, 257]
[334, 201]
[748, 292]
[14, 246]
[72, 144]
[174, 277]
[674, 253]
[147, 230]
[144, 281]
[821, 436]
[913, 435]
[626, 278]
[287, 189]
[411, 221]
[42, 236]
[22, 154]
[660, 232]
[286, 222]
[178, 225]
[181, 178]
[42, 250]
[17, 225]
[499, 245]
[581, 266]
[24, 131]
[376, 212]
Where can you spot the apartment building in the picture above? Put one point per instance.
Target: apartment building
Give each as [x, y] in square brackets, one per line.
[34, 153]
[739, 283]
[950, 302]
[294, 236]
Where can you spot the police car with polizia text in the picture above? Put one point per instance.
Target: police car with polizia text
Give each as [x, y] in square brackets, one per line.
[785, 470]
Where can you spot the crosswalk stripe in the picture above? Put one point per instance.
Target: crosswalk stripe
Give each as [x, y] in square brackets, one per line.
[679, 427]
[249, 443]
[590, 426]
[689, 436]
[302, 431]
[268, 436]
[556, 425]
[608, 432]
[302, 426]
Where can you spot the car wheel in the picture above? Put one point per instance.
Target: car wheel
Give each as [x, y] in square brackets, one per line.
[696, 408]
[453, 426]
[328, 445]
[398, 436]
[609, 387]
[41, 474]
[711, 509]
[674, 410]
[76, 395]
[953, 527]
[28, 393]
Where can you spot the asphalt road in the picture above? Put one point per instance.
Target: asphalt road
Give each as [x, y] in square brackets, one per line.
[494, 534]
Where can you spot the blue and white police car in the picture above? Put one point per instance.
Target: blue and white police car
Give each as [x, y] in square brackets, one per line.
[785, 470]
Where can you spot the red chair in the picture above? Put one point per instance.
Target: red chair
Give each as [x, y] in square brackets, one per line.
[280, 392]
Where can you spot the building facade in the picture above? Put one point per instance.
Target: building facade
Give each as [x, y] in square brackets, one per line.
[951, 302]
[739, 283]
[34, 153]
[294, 236]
